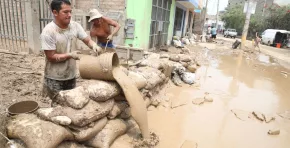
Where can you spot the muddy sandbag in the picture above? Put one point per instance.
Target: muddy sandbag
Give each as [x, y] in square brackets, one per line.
[102, 90]
[36, 133]
[174, 58]
[188, 77]
[138, 79]
[76, 98]
[86, 133]
[120, 97]
[184, 58]
[117, 109]
[152, 76]
[126, 113]
[164, 56]
[184, 64]
[154, 63]
[71, 144]
[111, 131]
[91, 112]
[176, 78]
[192, 68]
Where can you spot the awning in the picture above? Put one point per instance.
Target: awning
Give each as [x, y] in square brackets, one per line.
[190, 4]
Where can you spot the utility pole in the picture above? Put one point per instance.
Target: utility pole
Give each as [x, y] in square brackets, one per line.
[264, 8]
[246, 26]
[204, 16]
[217, 14]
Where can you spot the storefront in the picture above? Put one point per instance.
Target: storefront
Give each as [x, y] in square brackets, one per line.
[184, 16]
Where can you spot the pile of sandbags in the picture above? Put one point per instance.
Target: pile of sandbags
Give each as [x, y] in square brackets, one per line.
[94, 113]
[87, 114]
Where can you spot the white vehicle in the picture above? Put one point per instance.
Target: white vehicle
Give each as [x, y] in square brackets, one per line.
[273, 36]
[230, 33]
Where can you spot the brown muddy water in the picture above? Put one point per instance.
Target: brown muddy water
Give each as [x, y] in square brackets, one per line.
[235, 82]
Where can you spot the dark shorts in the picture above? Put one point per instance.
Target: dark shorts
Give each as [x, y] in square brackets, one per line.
[213, 36]
[103, 45]
[52, 87]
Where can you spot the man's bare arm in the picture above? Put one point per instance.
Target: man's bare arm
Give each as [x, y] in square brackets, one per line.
[52, 56]
[112, 23]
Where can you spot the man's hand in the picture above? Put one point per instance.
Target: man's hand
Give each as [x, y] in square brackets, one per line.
[74, 55]
[97, 49]
[110, 37]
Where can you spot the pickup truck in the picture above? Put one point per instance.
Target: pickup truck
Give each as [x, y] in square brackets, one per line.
[230, 33]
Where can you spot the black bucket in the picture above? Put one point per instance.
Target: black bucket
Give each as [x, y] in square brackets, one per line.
[236, 44]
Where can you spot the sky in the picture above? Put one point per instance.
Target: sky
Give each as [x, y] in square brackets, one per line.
[212, 5]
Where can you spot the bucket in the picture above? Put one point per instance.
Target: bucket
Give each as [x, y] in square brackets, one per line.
[22, 107]
[278, 45]
[98, 67]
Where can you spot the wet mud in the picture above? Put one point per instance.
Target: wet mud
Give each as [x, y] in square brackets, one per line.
[135, 99]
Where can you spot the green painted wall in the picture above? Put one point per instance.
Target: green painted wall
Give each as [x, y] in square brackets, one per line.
[172, 18]
[140, 10]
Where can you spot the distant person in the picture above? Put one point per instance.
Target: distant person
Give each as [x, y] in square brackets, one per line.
[213, 33]
[257, 41]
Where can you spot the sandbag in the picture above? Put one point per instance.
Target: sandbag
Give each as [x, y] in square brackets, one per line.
[164, 56]
[126, 113]
[36, 133]
[120, 97]
[61, 120]
[184, 58]
[174, 58]
[176, 79]
[71, 144]
[188, 77]
[91, 112]
[86, 133]
[192, 68]
[184, 64]
[153, 76]
[111, 131]
[177, 43]
[117, 109]
[76, 98]
[154, 63]
[102, 90]
[138, 79]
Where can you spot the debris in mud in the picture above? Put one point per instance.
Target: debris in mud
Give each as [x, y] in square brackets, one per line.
[198, 101]
[274, 132]
[268, 118]
[258, 115]
[208, 98]
[189, 144]
[241, 114]
[285, 115]
[146, 143]
[245, 115]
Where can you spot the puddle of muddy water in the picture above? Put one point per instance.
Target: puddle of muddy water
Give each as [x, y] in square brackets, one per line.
[234, 83]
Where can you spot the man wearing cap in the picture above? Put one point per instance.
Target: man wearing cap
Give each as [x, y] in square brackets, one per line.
[58, 39]
[101, 28]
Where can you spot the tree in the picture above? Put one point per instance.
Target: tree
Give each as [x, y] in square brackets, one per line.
[234, 18]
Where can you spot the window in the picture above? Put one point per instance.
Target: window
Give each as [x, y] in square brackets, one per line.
[160, 15]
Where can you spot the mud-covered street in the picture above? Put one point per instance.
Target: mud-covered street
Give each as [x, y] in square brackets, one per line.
[239, 83]
[247, 95]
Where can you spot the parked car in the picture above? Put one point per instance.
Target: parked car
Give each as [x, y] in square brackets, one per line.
[274, 36]
[230, 33]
